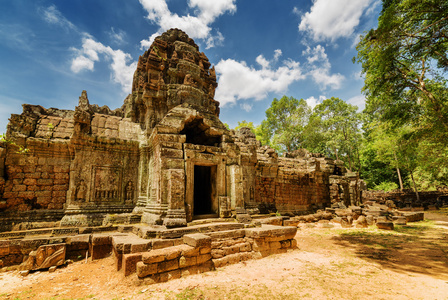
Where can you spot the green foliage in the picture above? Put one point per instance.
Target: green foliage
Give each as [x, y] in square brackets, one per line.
[386, 186]
[335, 127]
[244, 123]
[284, 124]
[405, 62]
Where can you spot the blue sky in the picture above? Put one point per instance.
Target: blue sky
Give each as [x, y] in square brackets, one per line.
[263, 49]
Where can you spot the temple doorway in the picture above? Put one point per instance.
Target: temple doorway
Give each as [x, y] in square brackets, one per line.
[203, 190]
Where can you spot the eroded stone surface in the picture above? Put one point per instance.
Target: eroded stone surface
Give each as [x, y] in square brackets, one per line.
[163, 158]
[44, 257]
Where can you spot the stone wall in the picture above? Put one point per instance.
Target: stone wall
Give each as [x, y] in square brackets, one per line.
[408, 198]
[77, 166]
[205, 252]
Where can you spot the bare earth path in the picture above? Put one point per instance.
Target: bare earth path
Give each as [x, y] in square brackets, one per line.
[408, 263]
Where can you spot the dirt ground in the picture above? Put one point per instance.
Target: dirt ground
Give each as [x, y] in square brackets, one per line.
[410, 262]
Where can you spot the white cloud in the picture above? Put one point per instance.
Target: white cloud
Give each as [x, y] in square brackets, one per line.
[312, 101]
[215, 40]
[53, 16]
[323, 77]
[197, 26]
[277, 54]
[296, 11]
[117, 36]
[358, 75]
[359, 101]
[320, 66]
[246, 106]
[239, 81]
[80, 63]
[332, 19]
[122, 67]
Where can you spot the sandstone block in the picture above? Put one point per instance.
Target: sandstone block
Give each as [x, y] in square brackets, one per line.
[161, 243]
[203, 258]
[400, 220]
[144, 270]
[45, 256]
[129, 262]
[385, 225]
[153, 256]
[197, 240]
[168, 265]
[187, 261]
[175, 274]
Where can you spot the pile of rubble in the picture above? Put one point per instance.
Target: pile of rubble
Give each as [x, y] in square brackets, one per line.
[367, 214]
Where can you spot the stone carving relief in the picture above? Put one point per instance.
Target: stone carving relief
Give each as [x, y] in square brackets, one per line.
[107, 183]
[81, 191]
[44, 257]
[129, 191]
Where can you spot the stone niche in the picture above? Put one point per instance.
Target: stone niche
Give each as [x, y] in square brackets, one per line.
[163, 158]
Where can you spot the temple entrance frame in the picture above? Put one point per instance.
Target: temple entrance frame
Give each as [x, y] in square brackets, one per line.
[196, 160]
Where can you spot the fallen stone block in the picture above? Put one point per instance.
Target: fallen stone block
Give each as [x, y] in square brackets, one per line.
[385, 225]
[399, 220]
[44, 257]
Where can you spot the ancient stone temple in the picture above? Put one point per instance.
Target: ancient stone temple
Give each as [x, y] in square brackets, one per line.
[163, 158]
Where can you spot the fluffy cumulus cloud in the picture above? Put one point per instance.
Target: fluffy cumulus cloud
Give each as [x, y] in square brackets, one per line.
[121, 65]
[319, 68]
[197, 26]
[332, 19]
[313, 101]
[238, 81]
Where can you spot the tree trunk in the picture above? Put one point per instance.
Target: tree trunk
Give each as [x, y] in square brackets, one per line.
[399, 179]
[399, 173]
[415, 187]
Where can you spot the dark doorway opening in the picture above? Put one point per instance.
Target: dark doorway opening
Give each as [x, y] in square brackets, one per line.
[197, 133]
[202, 190]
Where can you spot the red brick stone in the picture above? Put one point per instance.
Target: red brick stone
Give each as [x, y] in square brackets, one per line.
[62, 187]
[30, 181]
[19, 188]
[45, 182]
[26, 195]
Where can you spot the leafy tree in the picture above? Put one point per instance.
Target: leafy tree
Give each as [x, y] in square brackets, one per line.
[405, 62]
[334, 124]
[244, 123]
[284, 124]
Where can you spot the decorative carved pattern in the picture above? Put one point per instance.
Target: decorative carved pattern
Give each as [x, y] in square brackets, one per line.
[81, 191]
[107, 183]
[129, 191]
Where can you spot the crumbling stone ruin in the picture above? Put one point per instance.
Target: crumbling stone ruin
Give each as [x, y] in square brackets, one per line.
[163, 158]
[94, 181]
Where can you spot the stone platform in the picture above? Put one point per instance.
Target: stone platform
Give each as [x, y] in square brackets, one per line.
[153, 253]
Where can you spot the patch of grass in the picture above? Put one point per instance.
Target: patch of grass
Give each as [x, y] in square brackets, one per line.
[186, 294]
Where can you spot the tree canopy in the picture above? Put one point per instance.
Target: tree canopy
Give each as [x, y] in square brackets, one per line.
[404, 62]
[284, 124]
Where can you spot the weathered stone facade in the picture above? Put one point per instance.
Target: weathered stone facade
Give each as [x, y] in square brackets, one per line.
[164, 156]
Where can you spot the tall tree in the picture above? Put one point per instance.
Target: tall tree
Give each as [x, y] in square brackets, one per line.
[405, 62]
[337, 123]
[284, 124]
